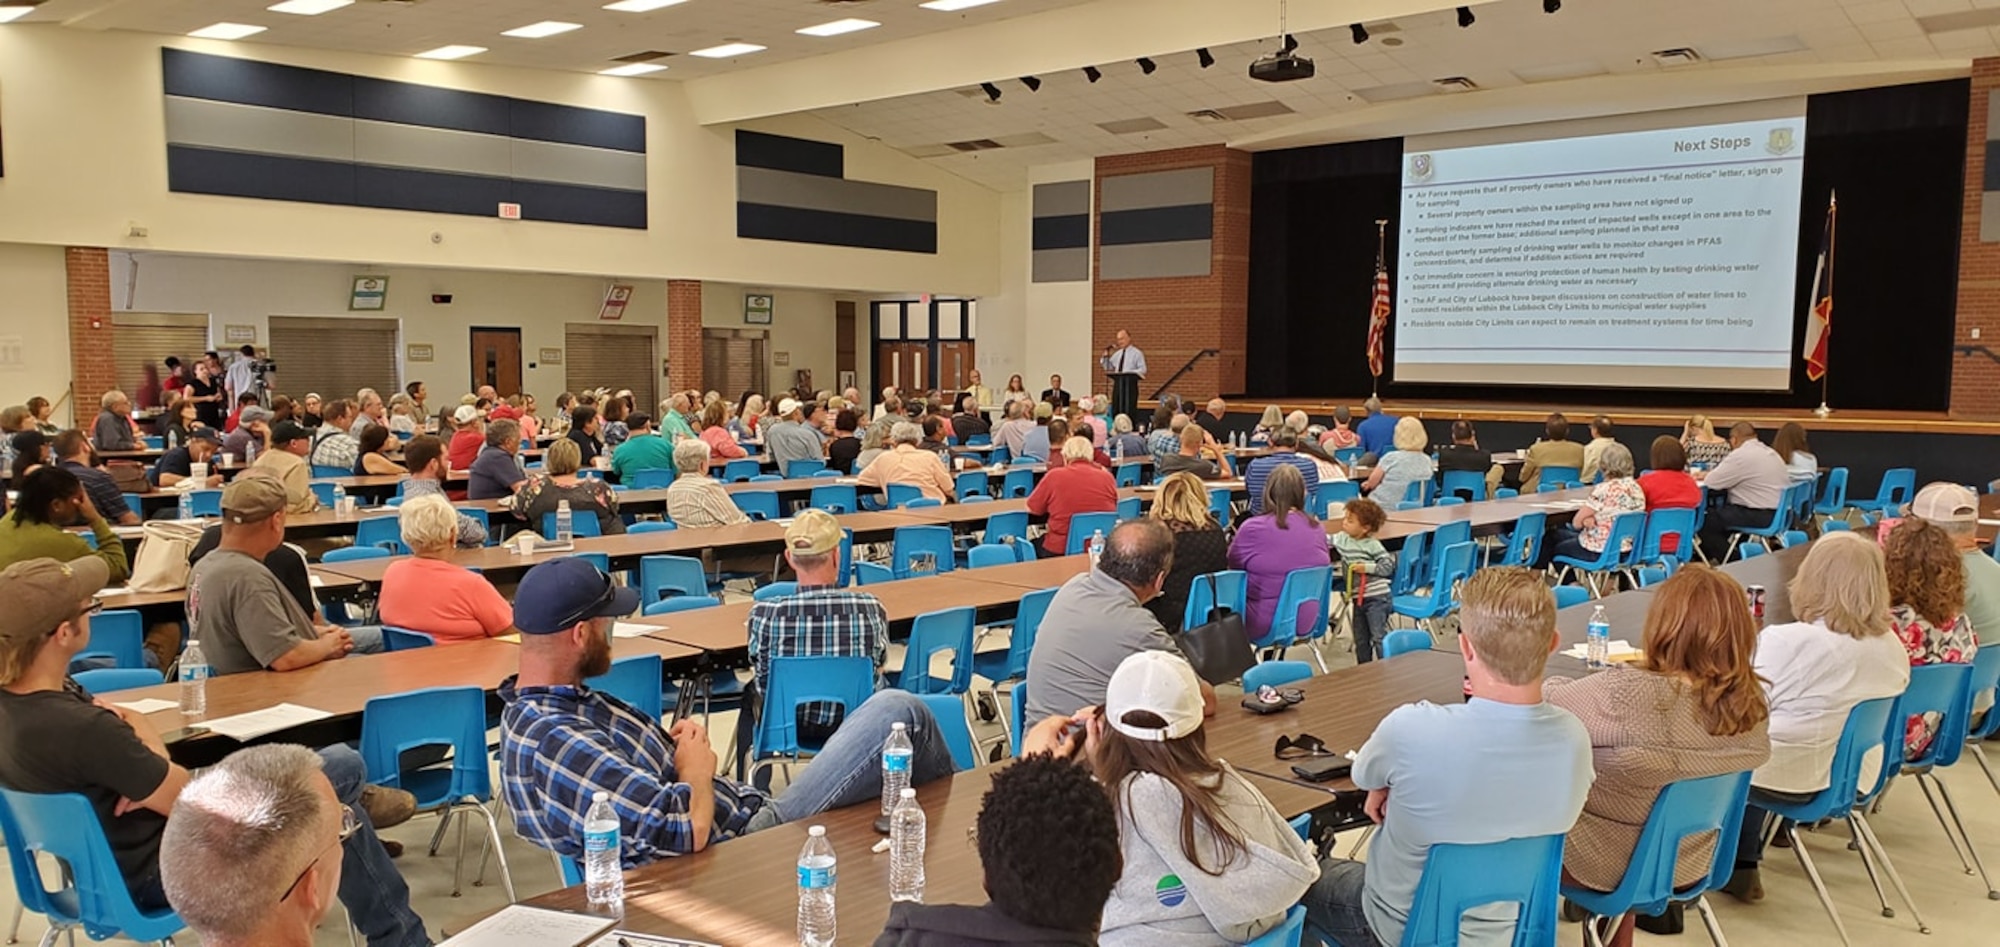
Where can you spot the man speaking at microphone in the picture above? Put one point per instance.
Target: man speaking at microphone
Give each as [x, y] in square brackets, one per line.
[1126, 365]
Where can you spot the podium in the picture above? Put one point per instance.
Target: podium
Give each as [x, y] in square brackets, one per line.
[1124, 394]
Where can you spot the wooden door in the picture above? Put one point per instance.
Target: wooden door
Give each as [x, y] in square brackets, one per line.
[906, 365]
[955, 365]
[496, 360]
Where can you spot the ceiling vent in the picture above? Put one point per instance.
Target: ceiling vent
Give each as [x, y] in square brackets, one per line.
[1677, 56]
[647, 56]
[1455, 84]
[1132, 126]
[977, 144]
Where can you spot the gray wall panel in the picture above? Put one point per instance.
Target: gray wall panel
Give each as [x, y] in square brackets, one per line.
[576, 164]
[1062, 199]
[1154, 260]
[1062, 266]
[431, 149]
[815, 192]
[230, 127]
[1157, 189]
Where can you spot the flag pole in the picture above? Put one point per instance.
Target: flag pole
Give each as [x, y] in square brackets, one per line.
[1832, 237]
[1381, 231]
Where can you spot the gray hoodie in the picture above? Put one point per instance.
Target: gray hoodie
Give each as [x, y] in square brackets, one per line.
[1163, 900]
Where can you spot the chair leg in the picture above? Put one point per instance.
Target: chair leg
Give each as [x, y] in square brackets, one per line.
[1951, 807]
[1593, 929]
[1889, 868]
[1819, 886]
[1938, 813]
[437, 836]
[14, 930]
[458, 864]
[493, 837]
[1978, 756]
[53, 936]
[1868, 865]
[1367, 832]
[558, 859]
[1708, 920]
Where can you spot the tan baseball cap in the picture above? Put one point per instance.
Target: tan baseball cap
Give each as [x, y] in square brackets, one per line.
[252, 498]
[1945, 503]
[43, 593]
[1044, 410]
[813, 533]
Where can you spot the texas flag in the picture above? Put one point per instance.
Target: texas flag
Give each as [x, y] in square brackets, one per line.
[1819, 321]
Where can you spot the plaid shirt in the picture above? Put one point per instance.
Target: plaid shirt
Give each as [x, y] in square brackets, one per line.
[817, 621]
[561, 745]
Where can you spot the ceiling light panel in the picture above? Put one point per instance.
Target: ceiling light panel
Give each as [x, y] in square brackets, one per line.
[10, 14]
[308, 7]
[632, 69]
[952, 6]
[227, 31]
[540, 30]
[451, 52]
[727, 50]
[641, 6]
[837, 27]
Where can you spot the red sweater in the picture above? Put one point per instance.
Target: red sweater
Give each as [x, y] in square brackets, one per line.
[1670, 490]
[1066, 491]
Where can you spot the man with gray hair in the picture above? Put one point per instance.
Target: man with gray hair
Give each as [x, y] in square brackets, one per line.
[496, 470]
[1012, 431]
[905, 463]
[695, 499]
[1098, 619]
[372, 412]
[1378, 432]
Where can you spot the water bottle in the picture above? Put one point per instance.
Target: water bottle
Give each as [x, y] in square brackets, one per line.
[339, 498]
[816, 885]
[1118, 452]
[564, 532]
[896, 756]
[906, 849]
[187, 504]
[1597, 639]
[250, 452]
[603, 880]
[194, 679]
[1096, 547]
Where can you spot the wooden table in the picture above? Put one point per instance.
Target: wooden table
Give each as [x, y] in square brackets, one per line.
[324, 581]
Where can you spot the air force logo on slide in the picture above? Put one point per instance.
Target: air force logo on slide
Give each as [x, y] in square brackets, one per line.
[1421, 169]
[1780, 141]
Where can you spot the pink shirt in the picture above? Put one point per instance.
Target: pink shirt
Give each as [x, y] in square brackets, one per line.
[442, 600]
[721, 443]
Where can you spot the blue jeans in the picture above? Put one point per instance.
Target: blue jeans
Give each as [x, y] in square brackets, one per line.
[373, 891]
[1371, 625]
[848, 770]
[1333, 904]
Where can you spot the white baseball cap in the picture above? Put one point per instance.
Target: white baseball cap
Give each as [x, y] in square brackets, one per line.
[1945, 503]
[465, 414]
[787, 406]
[1160, 683]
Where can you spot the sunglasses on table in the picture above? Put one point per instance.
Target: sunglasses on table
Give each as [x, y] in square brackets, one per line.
[1301, 747]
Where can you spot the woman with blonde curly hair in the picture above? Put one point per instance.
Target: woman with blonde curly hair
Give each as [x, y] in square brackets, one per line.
[1200, 546]
[1926, 609]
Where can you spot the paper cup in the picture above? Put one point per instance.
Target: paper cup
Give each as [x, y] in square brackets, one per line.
[198, 473]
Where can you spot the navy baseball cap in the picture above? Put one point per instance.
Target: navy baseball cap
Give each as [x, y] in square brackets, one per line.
[554, 596]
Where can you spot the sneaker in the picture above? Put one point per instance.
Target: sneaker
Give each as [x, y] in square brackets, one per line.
[387, 807]
[1746, 885]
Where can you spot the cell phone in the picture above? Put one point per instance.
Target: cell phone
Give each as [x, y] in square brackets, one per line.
[175, 736]
[1323, 769]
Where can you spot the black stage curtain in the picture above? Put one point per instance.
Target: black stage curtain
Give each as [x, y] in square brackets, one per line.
[1896, 155]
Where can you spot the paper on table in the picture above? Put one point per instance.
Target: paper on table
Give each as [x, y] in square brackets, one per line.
[624, 938]
[1616, 649]
[114, 590]
[1559, 505]
[258, 723]
[520, 926]
[631, 629]
[317, 582]
[148, 705]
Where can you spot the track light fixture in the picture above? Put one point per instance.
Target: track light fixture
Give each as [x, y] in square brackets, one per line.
[1206, 59]
[1091, 73]
[1146, 65]
[1034, 84]
[1360, 33]
[1291, 45]
[1465, 17]
[992, 91]
[1551, 6]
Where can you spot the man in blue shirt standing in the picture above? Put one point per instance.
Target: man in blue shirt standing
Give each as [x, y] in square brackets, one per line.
[1378, 432]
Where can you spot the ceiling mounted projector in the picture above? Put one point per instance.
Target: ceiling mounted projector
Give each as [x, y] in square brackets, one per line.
[1283, 65]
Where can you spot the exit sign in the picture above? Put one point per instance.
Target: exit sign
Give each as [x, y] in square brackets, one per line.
[510, 211]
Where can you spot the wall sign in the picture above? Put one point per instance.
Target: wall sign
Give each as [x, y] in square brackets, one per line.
[238, 334]
[416, 352]
[370, 292]
[616, 297]
[757, 310]
[550, 356]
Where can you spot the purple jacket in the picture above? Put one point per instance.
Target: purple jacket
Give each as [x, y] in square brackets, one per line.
[1268, 554]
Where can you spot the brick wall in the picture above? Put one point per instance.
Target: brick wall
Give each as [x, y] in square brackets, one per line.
[1172, 319]
[1975, 379]
[93, 370]
[684, 334]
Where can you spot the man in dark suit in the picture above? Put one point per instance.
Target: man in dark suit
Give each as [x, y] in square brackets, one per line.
[1054, 393]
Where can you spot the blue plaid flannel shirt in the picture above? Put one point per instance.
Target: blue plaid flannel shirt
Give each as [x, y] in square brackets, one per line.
[818, 621]
[561, 745]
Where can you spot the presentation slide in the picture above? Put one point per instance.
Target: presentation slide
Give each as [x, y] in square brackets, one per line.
[1662, 258]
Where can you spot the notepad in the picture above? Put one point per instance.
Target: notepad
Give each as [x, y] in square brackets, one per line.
[624, 938]
[520, 926]
[632, 629]
[148, 705]
[259, 723]
[1616, 650]
[316, 581]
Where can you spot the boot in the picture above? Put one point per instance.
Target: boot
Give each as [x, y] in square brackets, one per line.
[387, 807]
[1670, 921]
[1746, 885]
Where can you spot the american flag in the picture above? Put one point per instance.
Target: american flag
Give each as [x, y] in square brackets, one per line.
[1378, 319]
[1819, 321]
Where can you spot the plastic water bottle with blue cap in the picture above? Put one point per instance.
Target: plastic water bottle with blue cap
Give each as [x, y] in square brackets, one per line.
[818, 873]
[603, 879]
[1597, 639]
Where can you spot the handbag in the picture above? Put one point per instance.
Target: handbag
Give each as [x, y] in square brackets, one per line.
[161, 564]
[1219, 649]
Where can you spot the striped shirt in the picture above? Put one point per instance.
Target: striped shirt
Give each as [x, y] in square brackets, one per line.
[696, 500]
[560, 745]
[1260, 469]
[817, 621]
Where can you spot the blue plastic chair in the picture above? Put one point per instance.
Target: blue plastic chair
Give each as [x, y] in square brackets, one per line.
[1302, 612]
[1001, 527]
[1569, 595]
[1415, 496]
[948, 711]
[431, 717]
[1661, 523]
[1625, 528]
[118, 634]
[664, 576]
[1017, 483]
[1451, 565]
[1011, 664]
[1347, 455]
[1835, 526]
[834, 498]
[848, 681]
[872, 573]
[1449, 534]
[969, 483]
[326, 470]
[404, 639]
[799, 469]
[757, 504]
[582, 525]
[998, 455]
[1410, 564]
[1556, 478]
[1331, 492]
[154, 443]
[1130, 508]
[1898, 485]
[1128, 475]
[679, 603]
[979, 440]
[986, 555]
[1470, 484]
[1017, 716]
[206, 502]
[90, 892]
[106, 680]
[766, 478]
[1220, 503]
[382, 532]
[1451, 501]
[321, 490]
[772, 591]
[1289, 931]
[1832, 493]
[934, 632]
[1945, 689]
[1084, 525]
[1752, 552]
[650, 526]
[1457, 878]
[1404, 641]
[1781, 520]
[1230, 587]
[649, 479]
[1506, 493]
[1524, 548]
[1793, 537]
[352, 553]
[1868, 727]
[1685, 809]
[899, 495]
[636, 680]
[741, 469]
[1275, 674]
[1649, 576]
[921, 551]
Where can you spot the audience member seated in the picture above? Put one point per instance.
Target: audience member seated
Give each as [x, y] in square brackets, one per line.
[696, 499]
[73, 454]
[1691, 708]
[933, 431]
[1163, 437]
[252, 436]
[469, 438]
[403, 415]
[1214, 418]
[270, 813]
[644, 449]
[613, 428]
[1668, 487]
[907, 463]
[562, 742]
[1341, 435]
[334, 444]
[966, 421]
[1363, 558]
[425, 456]
[113, 428]
[1389, 480]
[1099, 618]
[584, 425]
[845, 448]
[1555, 449]
[790, 438]
[1048, 846]
[747, 424]
[1838, 653]
[30, 449]
[1271, 544]
[1755, 478]
[540, 494]
[1036, 443]
[676, 421]
[48, 500]
[1464, 452]
[1790, 445]
[1600, 437]
[1584, 536]
[817, 620]
[1054, 395]
[309, 411]
[1704, 447]
[369, 411]
[177, 464]
[1123, 443]
[1926, 609]
[241, 614]
[716, 433]
[1015, 423]
[286, 463]
[426, 592]
[373, 461]
[1378, 430]
[1268, 424]
[1284, 453]
[496, 471]
[1200, 545]
[1503, 765]
[1195, 453]
[1328, 469]
[1078, 486]
[286, 563]
[175, 427]
[1955, 509]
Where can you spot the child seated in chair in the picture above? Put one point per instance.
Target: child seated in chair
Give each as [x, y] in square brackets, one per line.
[1360, 552]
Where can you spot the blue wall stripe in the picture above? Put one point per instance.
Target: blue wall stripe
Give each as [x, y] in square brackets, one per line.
[764, 222]
[779, 153]
[1991, 179]
[246, 81]
[1060, 233]
[308, 180]
[1157, 225]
